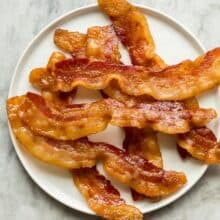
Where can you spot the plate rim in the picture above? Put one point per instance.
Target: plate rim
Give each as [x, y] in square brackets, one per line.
[15, 144]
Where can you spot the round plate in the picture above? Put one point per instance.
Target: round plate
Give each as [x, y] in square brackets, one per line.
[174, 43]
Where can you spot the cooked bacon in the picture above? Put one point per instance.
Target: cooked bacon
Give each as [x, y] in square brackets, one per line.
[199, 143]
[143, 142]
[54, 58]
[132, 28]
[100, 43]
[133, 171]
[182, 81]
[182, 152]
[72, 42]
[68, 123]
[202, 144]
[191, 104]
[61, 98]
[102, 197]
[198, 117]
[114, 92]
[80, 120]
[53, 152]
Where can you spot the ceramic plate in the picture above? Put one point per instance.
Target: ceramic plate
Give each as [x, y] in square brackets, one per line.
[173, 42]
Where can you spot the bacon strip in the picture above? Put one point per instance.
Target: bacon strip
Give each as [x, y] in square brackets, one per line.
[102, 197]
[143, 142]
[63, 123]
[100, 43]
[133, 171]
[80, 120]
[132, 28]
[202, 144]
[72, 42]
[182, 81]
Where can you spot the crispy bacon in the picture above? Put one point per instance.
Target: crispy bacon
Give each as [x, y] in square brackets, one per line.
[143, 142]
[64, 123]
[72, 42]
[132, 28]
[55, 97]
[100, 43]
[102, 197]
[54, 58]
[62, 98]
[199, 143]
[202, 144]
[192, 104]
[114, 92]
[133, 171]
[178, 82]
[80, 120]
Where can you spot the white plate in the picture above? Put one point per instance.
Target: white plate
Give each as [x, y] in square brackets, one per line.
[174, 43]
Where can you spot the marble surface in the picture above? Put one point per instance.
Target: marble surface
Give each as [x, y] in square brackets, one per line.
[20, 198]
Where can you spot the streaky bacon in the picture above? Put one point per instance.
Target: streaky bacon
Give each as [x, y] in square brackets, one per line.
[143, 142]
[102, 197]
[57, 97]
[177, 82]
[114, 92]
[186, 149]
[201, 143]
[80, 120]
[100, 43]
[132, 29]
[64, 123]
[54, 58]
[133, 171]
[191, 104]
[71, 42]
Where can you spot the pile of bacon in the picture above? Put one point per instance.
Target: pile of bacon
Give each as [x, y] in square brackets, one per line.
[143, 99]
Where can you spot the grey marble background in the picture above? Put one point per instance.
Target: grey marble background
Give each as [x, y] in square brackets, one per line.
[20, 198]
